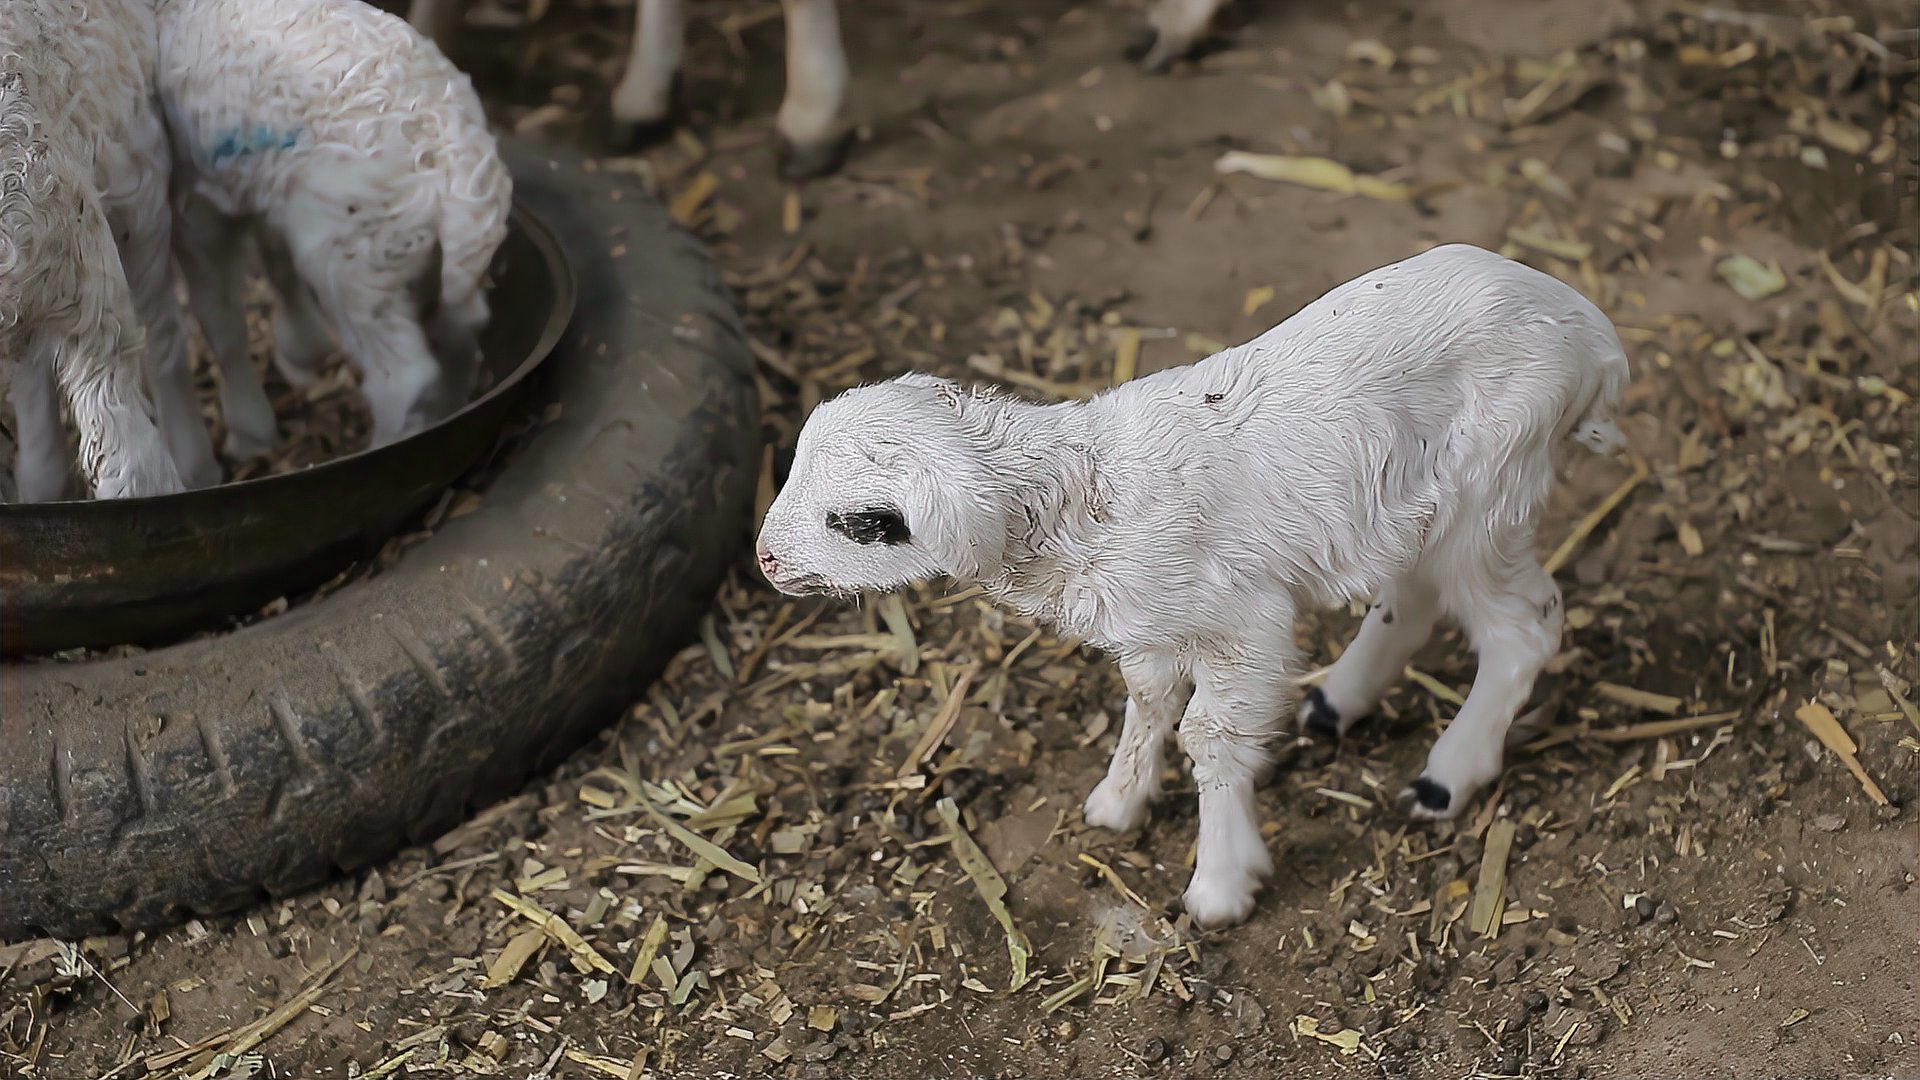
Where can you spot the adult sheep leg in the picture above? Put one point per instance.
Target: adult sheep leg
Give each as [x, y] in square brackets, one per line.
[644, 95]
[1156, 696]
[211, 250]
[1176, 27]
[1511, 610]
[811, 139]
[1235, 709]
[1400, 621]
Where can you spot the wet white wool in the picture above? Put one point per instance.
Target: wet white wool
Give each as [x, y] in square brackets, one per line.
[83, 158]
[1392, 441]
[361, 160]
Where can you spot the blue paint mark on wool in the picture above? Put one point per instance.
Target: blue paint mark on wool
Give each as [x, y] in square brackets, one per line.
[240, 141]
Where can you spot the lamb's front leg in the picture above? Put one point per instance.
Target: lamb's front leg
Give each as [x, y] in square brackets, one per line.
[1156, 695]
[1236, 708]
[40, 456]
[210, 249]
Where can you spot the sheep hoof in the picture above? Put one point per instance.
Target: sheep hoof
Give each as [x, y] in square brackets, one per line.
[1110, 807]
[799, 161]
[1319, 717]
[631, 134]
[1226, 896]
[1214, 905]
[1429, 799]
[1140, 42]
[240, 446]
[635, 136]
[1155, 51]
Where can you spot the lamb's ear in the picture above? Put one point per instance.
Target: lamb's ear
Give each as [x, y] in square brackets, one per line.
[962, 528]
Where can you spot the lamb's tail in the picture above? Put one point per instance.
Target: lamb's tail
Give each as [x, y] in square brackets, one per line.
[1596, 429]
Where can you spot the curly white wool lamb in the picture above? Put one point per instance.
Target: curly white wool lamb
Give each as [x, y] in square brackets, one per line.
[812, 139]
[1393, 440]
[81, 158]
[361, 159]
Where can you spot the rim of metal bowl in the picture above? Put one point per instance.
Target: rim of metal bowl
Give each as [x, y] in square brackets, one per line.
[565, 295]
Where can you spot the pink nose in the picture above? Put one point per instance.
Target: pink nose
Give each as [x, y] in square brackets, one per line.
[768, 564]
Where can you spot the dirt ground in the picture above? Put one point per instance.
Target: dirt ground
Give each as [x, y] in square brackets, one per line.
[1693, 886]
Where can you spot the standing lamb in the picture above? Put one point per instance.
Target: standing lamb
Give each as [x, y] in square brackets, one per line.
[1394, 440]
[83, 157]
[361, 159]
[812, 139]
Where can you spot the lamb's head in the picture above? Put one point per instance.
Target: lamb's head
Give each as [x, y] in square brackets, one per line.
[891, 485]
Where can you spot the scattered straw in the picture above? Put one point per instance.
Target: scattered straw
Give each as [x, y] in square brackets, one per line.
[1639, 699]
[1113, 879]
[1584, 528]
[585, 957]
[1313, 172]
[1820, 720]
[1489, 894]
[992, 887]
[940, 726]
[701, 846]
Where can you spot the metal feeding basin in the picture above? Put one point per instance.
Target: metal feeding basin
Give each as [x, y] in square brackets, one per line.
[89, 574]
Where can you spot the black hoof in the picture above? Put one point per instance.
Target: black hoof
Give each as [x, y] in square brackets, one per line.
[1431, 795]
[1322, 718]
[633, 138]
[1139, 43]
[805, 162]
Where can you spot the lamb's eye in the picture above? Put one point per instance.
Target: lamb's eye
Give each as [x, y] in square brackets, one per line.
[874, 525]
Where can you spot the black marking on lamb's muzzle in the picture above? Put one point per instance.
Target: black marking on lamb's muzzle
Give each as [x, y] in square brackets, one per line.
[1432, 795]
[1322, 718]
[1387, 616]
[874, 525]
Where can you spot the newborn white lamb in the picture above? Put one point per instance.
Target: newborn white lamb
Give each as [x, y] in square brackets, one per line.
[361, 159]
[83, 156]
[1393, 440]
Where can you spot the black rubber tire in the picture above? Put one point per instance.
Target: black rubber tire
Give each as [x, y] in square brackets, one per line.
[197, 778]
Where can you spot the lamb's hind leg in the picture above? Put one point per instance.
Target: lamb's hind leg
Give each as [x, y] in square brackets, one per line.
[1156, 695]
[1236, 707]
[212, 253]
[1510, 608]
[301, 339]
[1400, 621]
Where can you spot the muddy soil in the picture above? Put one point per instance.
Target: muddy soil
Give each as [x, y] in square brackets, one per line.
[1693, 885]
